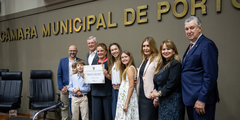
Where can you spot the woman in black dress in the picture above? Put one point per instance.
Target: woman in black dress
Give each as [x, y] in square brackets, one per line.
[147, 111]
[167, 83]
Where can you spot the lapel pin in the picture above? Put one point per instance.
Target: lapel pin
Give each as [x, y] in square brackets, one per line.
[196, 45]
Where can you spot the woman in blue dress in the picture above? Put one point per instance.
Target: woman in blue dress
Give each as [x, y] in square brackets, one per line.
[167, 83]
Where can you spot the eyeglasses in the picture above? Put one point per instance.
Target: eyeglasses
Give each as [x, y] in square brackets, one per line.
[72, 51]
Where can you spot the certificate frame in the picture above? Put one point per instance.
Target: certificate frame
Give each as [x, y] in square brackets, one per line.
[93, 74]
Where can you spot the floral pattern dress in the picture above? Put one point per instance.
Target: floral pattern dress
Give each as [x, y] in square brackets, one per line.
[132, 113]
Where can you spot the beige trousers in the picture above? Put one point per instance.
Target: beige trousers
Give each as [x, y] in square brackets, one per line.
[65, 113]
[81, 102]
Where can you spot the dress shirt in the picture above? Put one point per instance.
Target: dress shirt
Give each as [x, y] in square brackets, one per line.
[77, 81]
[91, 56]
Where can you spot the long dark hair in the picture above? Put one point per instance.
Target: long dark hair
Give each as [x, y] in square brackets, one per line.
[111, 59]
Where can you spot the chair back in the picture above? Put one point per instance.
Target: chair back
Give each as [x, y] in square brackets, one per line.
[41, 86]
[11, 87]
[2, 70]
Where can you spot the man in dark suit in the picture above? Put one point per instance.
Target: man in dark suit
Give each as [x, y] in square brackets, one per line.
[91, 58]
[199, 73]
[63, 75]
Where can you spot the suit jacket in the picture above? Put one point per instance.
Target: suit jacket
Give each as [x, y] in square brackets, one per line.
[200, 72]
[147, 77]
[95, 59]
[168, 80]
[63, 72]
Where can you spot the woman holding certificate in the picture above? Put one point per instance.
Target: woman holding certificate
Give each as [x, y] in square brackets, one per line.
[101, 93]
[114, 63]
[127, 104]
[147, 110]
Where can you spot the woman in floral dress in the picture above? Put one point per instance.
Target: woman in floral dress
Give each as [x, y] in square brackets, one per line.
[127, 105]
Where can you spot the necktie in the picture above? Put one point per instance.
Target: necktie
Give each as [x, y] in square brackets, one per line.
[190, 47]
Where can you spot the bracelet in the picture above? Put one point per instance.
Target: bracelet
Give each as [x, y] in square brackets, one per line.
[159, 93]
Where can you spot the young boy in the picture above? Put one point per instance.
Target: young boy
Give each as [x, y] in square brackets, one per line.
[79, 90]
[74, 71]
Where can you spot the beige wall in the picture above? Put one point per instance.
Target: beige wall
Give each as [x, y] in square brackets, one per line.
[44, 53]
[15, 6]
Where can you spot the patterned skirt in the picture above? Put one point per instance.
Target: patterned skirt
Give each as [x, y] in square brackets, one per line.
[171, 107]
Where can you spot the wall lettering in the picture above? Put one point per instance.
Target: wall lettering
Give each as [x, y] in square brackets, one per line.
[130, 15]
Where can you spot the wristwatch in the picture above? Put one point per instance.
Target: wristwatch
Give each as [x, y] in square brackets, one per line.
[160, 93]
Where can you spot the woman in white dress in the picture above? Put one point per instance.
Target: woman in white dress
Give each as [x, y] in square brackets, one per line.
[127, 104]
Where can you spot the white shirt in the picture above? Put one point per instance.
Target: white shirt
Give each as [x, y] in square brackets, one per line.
[115, 75]
[70, 67]
[91, 56]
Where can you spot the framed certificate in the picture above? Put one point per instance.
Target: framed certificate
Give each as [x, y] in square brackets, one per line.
[93, 74]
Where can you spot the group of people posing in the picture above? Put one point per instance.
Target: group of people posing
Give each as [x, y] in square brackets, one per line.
[159, 89]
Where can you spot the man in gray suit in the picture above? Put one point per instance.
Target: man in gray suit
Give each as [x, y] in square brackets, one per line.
[91, 57]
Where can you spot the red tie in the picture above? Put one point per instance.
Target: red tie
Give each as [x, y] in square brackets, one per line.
[190, 47]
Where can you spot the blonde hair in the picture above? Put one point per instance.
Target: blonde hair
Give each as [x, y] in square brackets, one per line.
[153, 48]
[111, 59]
[123, 68]
[170, 44]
